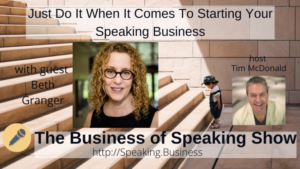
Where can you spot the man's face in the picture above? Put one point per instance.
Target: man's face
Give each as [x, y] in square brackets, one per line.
[258, 97]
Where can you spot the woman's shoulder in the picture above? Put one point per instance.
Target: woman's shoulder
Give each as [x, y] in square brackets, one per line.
[151, 112]
[151, 109]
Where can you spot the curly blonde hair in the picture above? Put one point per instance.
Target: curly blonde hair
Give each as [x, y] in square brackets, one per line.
[139, 89]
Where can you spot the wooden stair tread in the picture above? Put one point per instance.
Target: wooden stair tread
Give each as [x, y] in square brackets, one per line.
[36, 60]
[36, 30]
[29, 78]
[41, 39]
[37, 51]
[42, 36]
[34, 47]
[164, 80]
[170, 91]
[12, 3]
[188, 124]
[8, 10]
[23, 85]
[178, 107]
[20, 19]
[171, 87]
[57, 116]
[16, 103]
[15, 111]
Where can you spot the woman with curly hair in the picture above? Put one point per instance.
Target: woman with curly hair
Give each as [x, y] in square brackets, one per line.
[119, 90]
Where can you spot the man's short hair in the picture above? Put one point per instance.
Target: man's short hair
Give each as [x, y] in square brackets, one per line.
[257, 80]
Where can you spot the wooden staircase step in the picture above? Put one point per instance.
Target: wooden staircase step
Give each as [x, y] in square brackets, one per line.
[197, 119]
[12, 3]
[164, 80]
[193, 122]
[15, 111]
[61, 120]
[26, 40]
[169, 92]
[172, 112]
[30, 161]
[36, 51]
[203, 163]
[7, 10]
[33, 29]
[8, 69]
[18, 19]
[21, 86]
[6, 3]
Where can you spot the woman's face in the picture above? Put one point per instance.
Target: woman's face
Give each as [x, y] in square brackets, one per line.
[117, 88]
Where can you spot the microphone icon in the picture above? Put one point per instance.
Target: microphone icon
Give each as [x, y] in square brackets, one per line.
[21, 133]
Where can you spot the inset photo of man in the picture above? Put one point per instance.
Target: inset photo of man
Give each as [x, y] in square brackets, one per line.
[258, 100]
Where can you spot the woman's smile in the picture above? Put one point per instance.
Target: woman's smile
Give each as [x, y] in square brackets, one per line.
[117, 89]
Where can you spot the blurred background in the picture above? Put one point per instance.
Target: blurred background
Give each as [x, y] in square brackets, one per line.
[276, 86]
[83, 59]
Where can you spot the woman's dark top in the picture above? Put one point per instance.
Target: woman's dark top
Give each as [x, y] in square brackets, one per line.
[127, 121]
